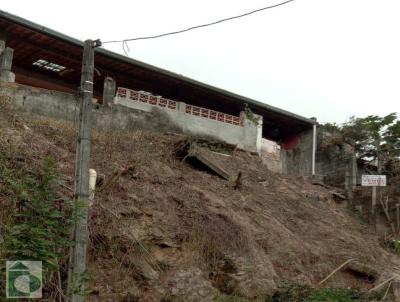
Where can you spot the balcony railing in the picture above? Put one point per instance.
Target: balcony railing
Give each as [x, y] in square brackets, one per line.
[145, 97]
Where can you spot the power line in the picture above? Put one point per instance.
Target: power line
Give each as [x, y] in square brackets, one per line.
[200, 26]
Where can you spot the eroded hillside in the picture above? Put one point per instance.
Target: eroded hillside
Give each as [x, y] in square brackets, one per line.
[167, 229]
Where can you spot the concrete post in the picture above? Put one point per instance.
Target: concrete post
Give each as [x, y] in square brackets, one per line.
[109, 91]
[259, 134]
[2, 46]
[182, 107]
[5, 65]
[77, 264]
[314, 147]
[252, 131]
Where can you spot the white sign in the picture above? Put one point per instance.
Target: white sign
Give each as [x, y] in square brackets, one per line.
[373, 180]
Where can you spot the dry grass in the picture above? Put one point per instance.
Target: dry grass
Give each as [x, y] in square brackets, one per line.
[185, 215]
[13, 151]
[215, 236]
[8, 116]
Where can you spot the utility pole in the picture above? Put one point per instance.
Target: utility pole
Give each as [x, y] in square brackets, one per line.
[77, 263]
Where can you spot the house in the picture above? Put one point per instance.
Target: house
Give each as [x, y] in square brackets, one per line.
[47, 69]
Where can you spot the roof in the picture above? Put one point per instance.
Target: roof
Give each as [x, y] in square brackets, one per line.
[32, 42]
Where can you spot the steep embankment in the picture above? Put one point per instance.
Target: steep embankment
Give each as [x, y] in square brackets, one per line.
[163, 229]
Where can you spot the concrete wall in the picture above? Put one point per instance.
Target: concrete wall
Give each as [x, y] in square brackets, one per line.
[334, 164]
[298, 160]
[247, 137]
[127, 115]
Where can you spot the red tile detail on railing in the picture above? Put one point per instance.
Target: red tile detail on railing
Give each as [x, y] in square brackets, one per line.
[190, 109]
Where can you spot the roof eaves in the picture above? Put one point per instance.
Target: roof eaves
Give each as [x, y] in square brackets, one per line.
[165, 72]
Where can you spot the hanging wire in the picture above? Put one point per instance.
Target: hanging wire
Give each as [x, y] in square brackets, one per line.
[197, 26]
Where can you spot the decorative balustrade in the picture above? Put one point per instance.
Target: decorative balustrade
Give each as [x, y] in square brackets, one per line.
[213, 115]
[147, 98]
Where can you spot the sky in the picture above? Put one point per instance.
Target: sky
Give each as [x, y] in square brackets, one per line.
[329, 59]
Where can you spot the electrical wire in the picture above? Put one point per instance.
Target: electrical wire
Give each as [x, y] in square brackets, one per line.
[199, 26]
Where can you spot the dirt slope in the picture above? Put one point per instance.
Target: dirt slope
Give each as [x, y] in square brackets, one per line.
[167, 230]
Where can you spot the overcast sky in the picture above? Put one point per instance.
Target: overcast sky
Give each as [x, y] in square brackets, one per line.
[325, 58]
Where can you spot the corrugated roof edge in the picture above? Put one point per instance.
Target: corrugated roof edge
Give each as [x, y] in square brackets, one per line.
[117, 56]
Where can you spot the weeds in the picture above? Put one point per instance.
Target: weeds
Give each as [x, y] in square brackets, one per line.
[304, 293]
[336, 295]
[250, 115]
[393, 245]
[291, 293]
[225, 298]
[39, 221]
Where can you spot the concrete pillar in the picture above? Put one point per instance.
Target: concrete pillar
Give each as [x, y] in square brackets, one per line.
[2, 46]
[182, 107]
[252, 131]
[259, 133]
[109, 90]
[182, 116]
[314, 146]
[5, 65]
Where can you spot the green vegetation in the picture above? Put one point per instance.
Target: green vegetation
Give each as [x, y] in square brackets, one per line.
[225, 298]
[38, 220]
[374, 138]
[291, 292]
[393, 245]
[303, 293]
[336, 295]
[250, 115]
[38, 229]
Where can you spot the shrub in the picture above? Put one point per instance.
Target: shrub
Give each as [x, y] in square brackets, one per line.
[225, 298]
[336, 295]
[291, 292]
[39, 221]
[304, 293]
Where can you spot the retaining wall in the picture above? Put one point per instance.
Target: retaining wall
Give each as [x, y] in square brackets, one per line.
[127, 114]
[298, 159]
[334, 164]
[197, 121]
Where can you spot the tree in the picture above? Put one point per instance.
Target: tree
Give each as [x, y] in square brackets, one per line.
[376, 139]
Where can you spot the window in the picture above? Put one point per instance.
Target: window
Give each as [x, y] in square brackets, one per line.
[48, 65]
